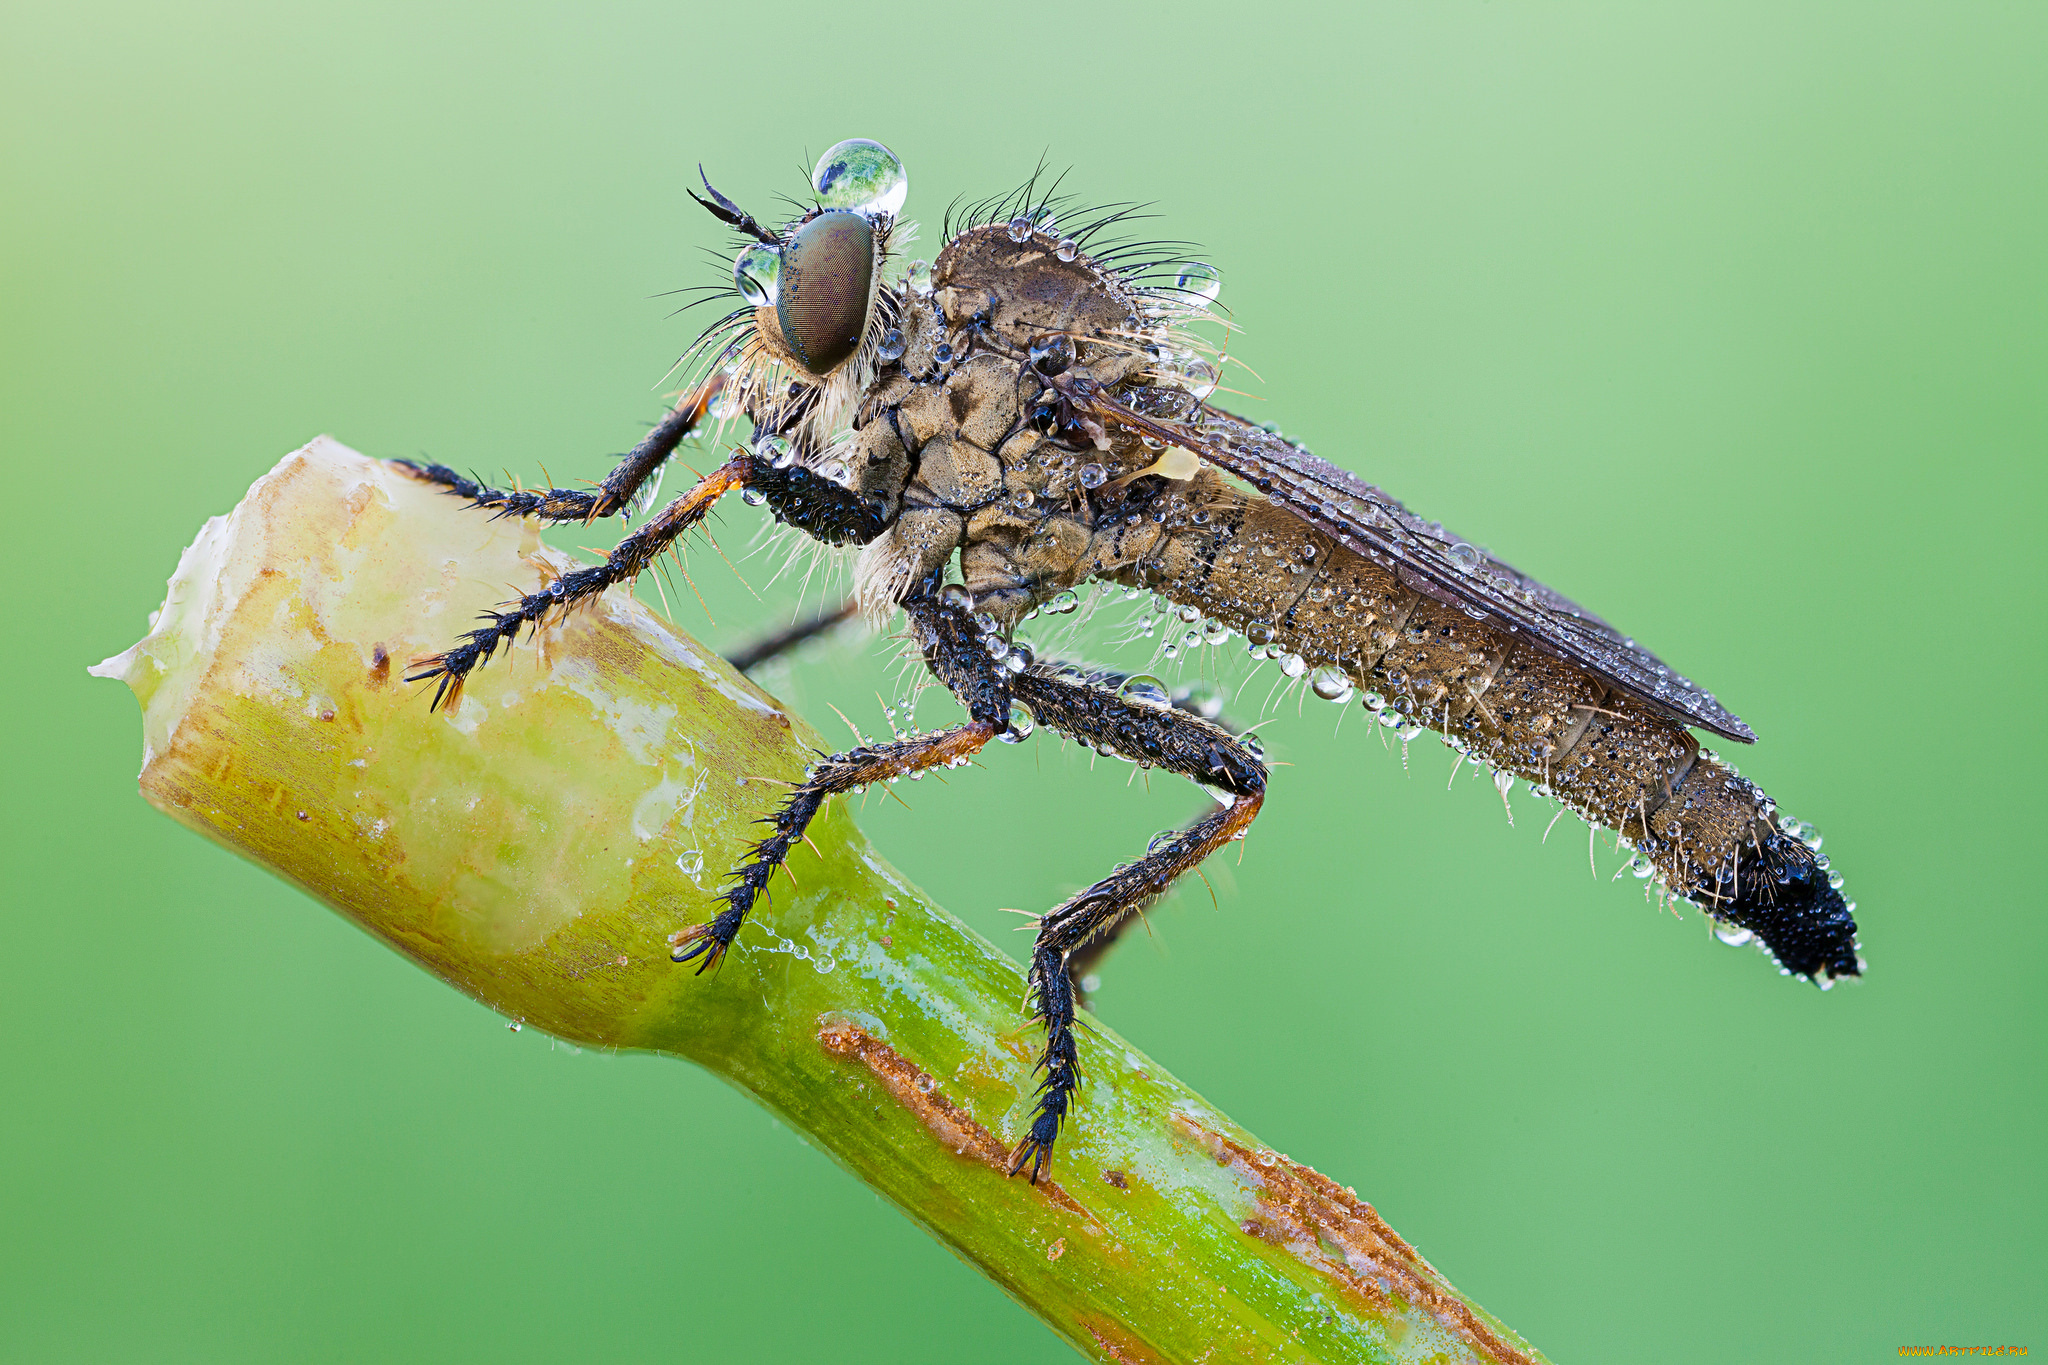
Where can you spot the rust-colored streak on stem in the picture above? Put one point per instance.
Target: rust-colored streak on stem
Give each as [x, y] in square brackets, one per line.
[1118, 1345]
[918, 1091]
[1308, 1214]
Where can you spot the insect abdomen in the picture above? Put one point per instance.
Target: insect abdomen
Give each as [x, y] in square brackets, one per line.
[1615, 760]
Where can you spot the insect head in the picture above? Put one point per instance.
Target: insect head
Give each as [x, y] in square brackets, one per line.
[821, 279]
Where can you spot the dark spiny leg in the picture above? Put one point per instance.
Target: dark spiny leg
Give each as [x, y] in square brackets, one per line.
[797, 497]
[565, 504]
[1170, 739]
[953, 651]
[1207, 704]
[746, 660]
[633, 554]
[846, 772]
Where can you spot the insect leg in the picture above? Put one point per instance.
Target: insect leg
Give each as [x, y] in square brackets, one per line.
[952, 650]
[835, 774]
[625, 563]
[612, 496]
[795, 495]
[752, 656]
[1086, 959]
[1165, 738]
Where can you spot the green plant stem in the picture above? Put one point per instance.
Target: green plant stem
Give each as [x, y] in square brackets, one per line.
[536, 849]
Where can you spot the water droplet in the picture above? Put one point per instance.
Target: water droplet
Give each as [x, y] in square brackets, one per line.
[1161, 840]
[1293, 665]
[1198, 283]
[1092, 476]
[1199, 378]
[1146, 690]
[1734, 935]
[1214, 631]
[891, 345]
[862, 176]
[1331, 684]
[1021, 725]
[1068, 249]
[1052, 355]
[1835, 880]
[1503, 782]
[918, 275]
[515, 1026]
[1020, 228]
[943, 354]
[1373, 701]
[757, 273]
[1641, 868]
[776, 450]
[954, 597]
[1409, 730]
[985, 622]
[1464, 558]
[753, 497]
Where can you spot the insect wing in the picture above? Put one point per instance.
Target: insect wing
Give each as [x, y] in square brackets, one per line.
[1437, 564]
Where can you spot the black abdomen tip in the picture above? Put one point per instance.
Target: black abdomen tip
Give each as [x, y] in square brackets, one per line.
[1785, 899]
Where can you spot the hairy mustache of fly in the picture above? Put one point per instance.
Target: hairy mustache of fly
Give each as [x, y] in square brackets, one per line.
[1031, 413]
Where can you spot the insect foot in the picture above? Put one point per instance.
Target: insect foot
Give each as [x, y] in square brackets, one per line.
[708, 941]
[1060, 1064]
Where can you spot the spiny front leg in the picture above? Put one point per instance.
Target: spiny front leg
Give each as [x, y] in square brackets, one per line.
[1161, 737]
[795, 496]
[611, 497]
[850, 771]
[624, 564]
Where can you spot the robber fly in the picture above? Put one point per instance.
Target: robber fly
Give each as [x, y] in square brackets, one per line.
[1032, 410]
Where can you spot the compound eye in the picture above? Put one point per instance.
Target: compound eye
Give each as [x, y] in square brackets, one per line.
[828, 272]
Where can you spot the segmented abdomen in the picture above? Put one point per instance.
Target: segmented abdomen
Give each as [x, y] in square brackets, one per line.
[1615, 760]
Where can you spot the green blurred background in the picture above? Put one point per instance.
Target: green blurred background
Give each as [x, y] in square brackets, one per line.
[1727, 320]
